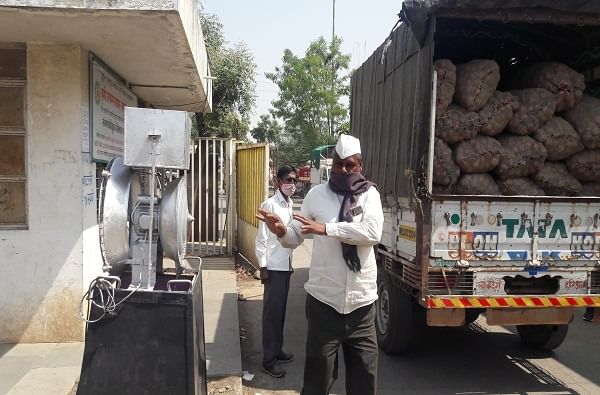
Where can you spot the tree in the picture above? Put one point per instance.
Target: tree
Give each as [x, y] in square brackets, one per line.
[311, 92]
[267, 130]
[234, 86]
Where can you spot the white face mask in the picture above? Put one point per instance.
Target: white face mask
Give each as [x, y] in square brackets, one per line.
[288, 189]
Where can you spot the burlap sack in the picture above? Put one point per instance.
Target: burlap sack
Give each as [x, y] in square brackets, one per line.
[585, 117]
[445, 171]
[446, 83]
[476, 82]
[478, 155]
[558, 78]
[537, 105]
[519, 186]
[585, 165]
[477, 184]
[456, 124]
[497, 113]
[559, 138]
[555, 180]
[590, 189]
[521, 156]
[443, 189]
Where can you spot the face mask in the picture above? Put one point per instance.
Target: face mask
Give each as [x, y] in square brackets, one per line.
[288, 189]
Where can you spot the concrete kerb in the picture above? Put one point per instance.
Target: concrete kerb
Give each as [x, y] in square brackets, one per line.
[222, 332]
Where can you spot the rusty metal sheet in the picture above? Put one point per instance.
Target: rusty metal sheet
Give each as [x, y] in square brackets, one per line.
[541, 316]
[13, 203]
[12, 155]
[390, 110]
[446, 317]
[12, 106]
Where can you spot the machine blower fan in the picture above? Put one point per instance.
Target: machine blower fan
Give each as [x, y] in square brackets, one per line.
[143, 213]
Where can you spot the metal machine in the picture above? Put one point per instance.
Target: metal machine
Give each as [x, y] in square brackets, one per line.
[142, 213]
[145, 331]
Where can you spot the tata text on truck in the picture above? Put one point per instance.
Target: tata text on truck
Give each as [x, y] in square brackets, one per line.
[444, 258]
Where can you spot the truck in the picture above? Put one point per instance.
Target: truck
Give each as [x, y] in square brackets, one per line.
[445, 259]
[316, 171]
[303, 185]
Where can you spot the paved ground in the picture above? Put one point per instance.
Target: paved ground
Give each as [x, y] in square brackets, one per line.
[474, 360]
[53, 369]
[42, 368]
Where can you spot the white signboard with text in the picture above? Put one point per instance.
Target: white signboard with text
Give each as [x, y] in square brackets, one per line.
[109, 96]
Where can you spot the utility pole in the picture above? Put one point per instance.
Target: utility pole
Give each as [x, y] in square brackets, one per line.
[333, 23]
[331, 124]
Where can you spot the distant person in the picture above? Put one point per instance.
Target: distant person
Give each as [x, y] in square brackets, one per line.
[275, 270]
[346, 218]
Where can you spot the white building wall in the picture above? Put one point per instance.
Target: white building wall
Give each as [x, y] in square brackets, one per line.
[92, 258]
[43, 272]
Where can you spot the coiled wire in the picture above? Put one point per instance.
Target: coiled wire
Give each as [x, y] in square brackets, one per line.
[103, 288]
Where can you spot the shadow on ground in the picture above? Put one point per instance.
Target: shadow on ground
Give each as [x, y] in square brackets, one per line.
[474, 359]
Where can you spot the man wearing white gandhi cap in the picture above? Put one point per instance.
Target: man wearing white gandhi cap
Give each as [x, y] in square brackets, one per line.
[346, 219]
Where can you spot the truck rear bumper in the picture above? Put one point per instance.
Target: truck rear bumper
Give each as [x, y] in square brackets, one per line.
[502, 316]
[508, 302]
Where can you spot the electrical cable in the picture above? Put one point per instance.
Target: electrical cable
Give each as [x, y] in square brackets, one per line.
[106, 293]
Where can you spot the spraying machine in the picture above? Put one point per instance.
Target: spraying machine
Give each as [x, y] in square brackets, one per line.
[145, 331]
[137, 213]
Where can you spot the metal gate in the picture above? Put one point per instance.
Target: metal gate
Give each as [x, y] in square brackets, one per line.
[252, 173]
[211, 192]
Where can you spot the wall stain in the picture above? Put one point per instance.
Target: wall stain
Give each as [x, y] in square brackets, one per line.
[56, 320]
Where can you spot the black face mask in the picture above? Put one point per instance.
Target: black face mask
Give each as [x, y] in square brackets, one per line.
[351, 186]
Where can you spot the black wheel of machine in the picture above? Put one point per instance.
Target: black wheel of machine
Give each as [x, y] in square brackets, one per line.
[398, 317]
[543, 337]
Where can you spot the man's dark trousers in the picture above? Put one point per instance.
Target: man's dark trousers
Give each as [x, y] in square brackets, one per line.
[355, 332]
[273, 315]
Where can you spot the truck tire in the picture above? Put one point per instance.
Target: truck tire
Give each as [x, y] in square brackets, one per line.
[543, 337]
[398, 317]
[471, 315]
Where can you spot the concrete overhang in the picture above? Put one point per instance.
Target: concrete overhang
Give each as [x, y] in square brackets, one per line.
[157, 46]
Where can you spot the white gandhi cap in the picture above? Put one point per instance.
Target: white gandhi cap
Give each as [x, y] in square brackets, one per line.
[347, 146]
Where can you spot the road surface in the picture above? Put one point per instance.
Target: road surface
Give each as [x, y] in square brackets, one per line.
[477, 359]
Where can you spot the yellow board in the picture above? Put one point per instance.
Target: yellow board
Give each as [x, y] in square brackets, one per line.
[252, 173]
[408, 232]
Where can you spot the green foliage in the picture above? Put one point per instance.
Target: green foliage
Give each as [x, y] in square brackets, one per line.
[233, 68]
[267, 130]
[311, 93]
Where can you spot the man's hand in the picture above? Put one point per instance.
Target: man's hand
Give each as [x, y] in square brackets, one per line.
[310, 226]
[264, 275]
[273, 222]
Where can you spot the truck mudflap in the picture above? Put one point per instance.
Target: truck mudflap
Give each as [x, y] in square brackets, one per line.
[520, 302]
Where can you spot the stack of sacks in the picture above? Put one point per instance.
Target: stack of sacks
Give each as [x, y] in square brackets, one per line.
[543, 138]
[564, 82]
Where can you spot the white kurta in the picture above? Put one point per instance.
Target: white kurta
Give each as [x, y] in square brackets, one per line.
[330, 280]
[269, 252]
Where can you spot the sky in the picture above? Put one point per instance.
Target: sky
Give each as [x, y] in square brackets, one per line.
[270, 26]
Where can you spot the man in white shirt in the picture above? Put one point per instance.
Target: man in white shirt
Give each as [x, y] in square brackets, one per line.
[275, 270]
[346, 218]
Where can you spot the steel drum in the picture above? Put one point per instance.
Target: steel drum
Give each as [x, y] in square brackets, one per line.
[114, 219]
[174, 217]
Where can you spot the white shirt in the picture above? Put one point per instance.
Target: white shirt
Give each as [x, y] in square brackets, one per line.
[269, 252]
[329, 279]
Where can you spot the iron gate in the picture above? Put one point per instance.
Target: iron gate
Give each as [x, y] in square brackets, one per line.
[252, 170]
[211, 192]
